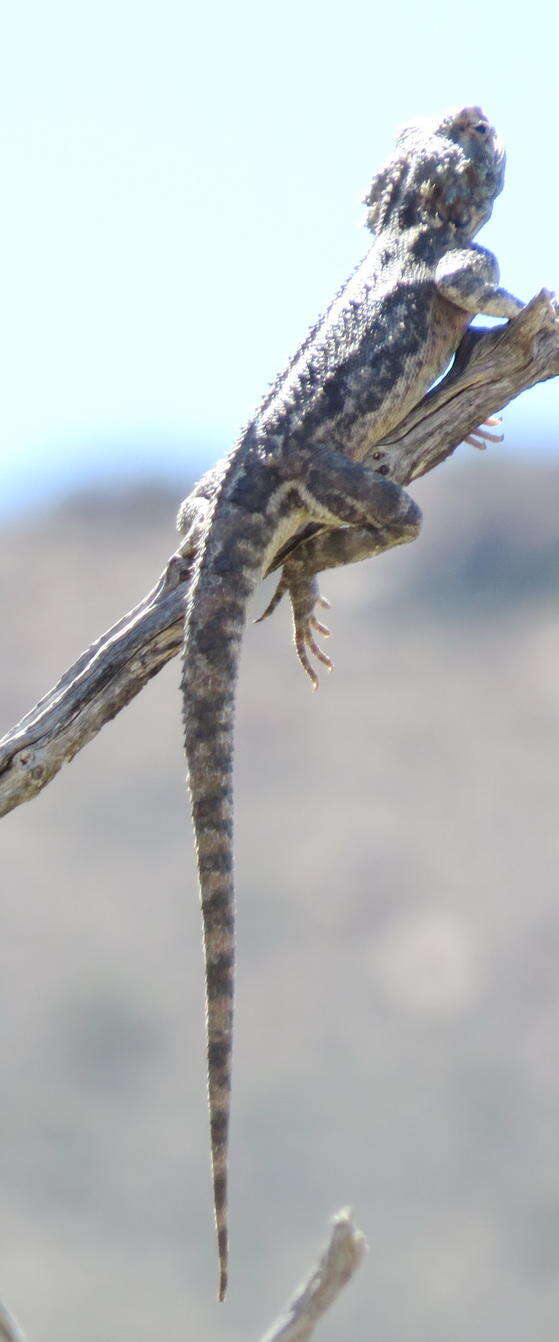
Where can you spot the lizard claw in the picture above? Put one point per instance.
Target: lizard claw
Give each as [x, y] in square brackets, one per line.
[480, 437]
[304, 641]
[304, 597]
[280, 591]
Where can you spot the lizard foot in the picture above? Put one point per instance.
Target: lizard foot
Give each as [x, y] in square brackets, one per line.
[480, 437]
[305, 596]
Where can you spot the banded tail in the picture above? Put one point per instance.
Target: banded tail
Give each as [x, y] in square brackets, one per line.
[227, 572]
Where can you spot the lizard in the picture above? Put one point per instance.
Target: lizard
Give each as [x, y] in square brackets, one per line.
[304, 487]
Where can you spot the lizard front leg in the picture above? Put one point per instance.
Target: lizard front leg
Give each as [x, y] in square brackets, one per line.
[469, 278]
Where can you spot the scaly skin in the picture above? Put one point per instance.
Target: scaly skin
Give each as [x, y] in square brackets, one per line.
[296, 488]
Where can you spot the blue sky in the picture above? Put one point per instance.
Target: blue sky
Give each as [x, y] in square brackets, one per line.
[181, 196]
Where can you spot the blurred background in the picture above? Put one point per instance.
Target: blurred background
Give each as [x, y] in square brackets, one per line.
[181, 196]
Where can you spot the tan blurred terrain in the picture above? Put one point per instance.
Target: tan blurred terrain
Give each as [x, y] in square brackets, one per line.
[398, 914]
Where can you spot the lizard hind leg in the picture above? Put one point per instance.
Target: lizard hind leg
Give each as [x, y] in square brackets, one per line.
[305, 597]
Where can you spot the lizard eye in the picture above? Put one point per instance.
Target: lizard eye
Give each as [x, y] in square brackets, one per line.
[482, 128]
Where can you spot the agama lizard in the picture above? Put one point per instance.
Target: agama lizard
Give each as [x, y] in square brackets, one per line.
[305, 486]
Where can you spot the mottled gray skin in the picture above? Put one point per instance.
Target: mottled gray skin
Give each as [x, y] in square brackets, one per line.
[295, 488]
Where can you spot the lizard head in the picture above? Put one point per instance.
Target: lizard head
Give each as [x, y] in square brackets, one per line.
[444, 173]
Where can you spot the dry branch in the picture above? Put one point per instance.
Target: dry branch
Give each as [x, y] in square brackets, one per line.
[490, 369]
[341, 1258]
[9, 1331]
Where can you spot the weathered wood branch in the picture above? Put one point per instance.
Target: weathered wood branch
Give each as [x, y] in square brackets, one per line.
[9, 1331]
[92, 691]
[341, 1258]
[490, 369]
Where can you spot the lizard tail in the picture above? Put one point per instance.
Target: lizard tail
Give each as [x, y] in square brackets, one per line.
[227, 573]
